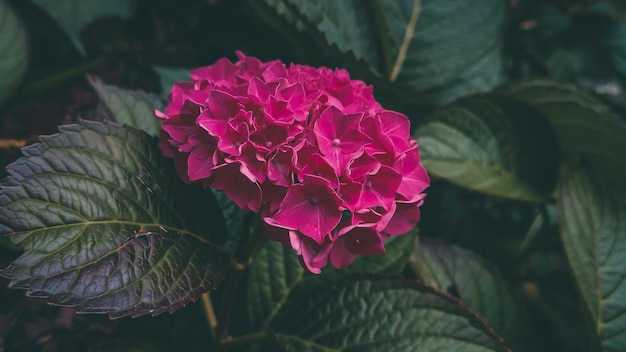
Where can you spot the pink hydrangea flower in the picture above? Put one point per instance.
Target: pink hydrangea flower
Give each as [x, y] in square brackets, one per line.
[332, 173]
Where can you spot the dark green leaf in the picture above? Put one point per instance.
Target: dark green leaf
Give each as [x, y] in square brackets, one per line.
[491, 144]
[169, 76]
[273, 275]
[342, 24]
[465, 275]
[593, 230]
[131, 107]
[13, 51]
[582, 124]
[106, 225]
[276, 273]
[442, 48]
[73, 15]
[358, 314]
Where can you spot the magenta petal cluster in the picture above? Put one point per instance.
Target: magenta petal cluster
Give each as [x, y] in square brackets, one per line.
[332, 173]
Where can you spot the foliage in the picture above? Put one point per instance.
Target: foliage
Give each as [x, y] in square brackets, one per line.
[518, 108]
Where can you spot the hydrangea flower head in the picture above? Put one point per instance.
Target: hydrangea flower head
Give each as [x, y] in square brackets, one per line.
[332, 173]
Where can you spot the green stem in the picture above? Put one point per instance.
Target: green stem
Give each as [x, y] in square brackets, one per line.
[245, 339]
[532, 234]
[239, 264]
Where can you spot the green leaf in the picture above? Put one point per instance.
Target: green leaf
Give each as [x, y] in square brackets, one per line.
[73, 15]
[131, 107]
[169, 76]
[373, 314]
[13, 51]
[491, 144]
[593, 229]
[442, 49]
[439, 49]
[582, 124]
[107, 226]
[276, 273]
[341, 23]
[463, 274]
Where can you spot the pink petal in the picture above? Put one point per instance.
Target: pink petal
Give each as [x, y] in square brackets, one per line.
[281, 165]
[316, 165]
[404, 219]
[229, 179]
[311, 207]
[414, 177]
[380, 189]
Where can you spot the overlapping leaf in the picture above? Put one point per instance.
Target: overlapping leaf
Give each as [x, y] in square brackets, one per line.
[440, 49]
[343, 310]
[13, 50]
[491, 144]
[593, 230]
[461, 273]
[106, 225]
[360, 314]
[276, 273]
[131, 107]
[73, 15]
[582, 124]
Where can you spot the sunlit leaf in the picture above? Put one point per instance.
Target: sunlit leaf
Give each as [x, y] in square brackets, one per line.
[107, 226]
[593, 230]
[465, 275]
[73, 15]
[132, 107]
[491, 144]
[13, 51]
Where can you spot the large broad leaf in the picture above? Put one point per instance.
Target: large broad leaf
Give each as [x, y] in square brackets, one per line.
[13, 51]
[361, 314]
[73, 15]
[440, 49]
[106, 225]
[463, 274]
[132, 107]
[582, 124]
[491, 144]
[593, 230]
[342, 24]
[276, 273]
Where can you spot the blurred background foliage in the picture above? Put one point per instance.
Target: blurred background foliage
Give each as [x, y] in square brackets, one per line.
[148, 44]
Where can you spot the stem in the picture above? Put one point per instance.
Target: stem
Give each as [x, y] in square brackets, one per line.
[238, 265]
[209, 312]
[245, 339]
[532, 234]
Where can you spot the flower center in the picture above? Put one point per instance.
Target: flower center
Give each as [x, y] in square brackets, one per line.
[336, 142]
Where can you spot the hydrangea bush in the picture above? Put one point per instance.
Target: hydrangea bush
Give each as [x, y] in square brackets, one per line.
[382, 175]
